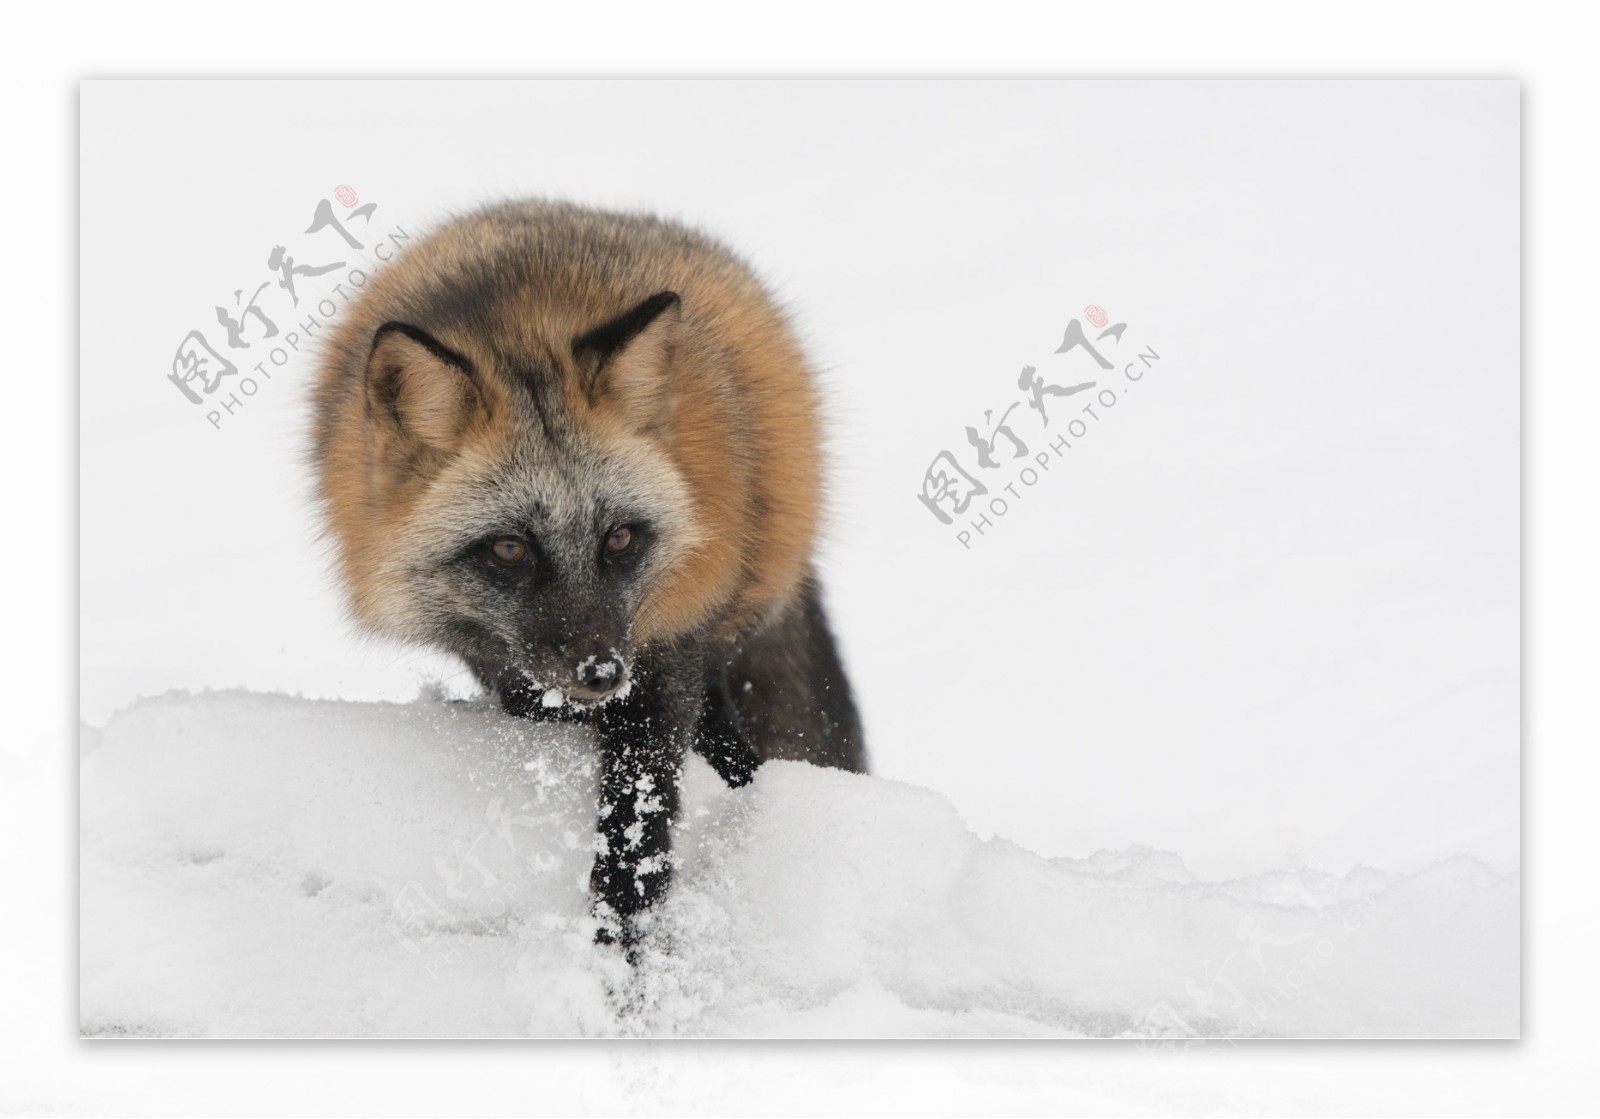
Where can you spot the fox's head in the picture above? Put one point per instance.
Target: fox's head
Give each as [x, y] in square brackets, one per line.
[549, 437]
[523, 505]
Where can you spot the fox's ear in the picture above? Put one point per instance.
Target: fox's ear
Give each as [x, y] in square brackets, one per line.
[629, 359]
[420, 386]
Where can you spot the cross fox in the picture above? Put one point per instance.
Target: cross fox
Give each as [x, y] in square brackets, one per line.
[581, 450]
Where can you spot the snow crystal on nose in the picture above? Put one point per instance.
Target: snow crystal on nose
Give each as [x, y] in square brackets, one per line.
[602, 669]
[552, 697]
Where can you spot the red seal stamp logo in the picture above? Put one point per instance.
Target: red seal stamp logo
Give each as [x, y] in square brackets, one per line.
[1093, 312]
[346, 194]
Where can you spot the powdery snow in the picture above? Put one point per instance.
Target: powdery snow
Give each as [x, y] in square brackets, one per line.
[260, 865]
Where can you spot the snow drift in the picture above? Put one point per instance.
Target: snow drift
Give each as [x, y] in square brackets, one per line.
[266, 866]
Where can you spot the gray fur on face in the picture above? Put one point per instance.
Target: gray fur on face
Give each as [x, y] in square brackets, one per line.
[565, 500]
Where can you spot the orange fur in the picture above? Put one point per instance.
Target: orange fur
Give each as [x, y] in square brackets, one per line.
[719, 394]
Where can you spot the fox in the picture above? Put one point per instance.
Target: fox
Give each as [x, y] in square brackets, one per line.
[582, 451]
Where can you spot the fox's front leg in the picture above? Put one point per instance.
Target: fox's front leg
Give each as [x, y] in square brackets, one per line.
[643, 738]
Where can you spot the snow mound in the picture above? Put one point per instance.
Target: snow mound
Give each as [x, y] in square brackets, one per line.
[267, 866]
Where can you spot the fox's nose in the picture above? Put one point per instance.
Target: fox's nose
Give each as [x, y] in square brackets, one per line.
[601, 674]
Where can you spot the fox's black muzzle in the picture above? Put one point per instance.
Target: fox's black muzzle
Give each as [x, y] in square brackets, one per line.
[601, 675]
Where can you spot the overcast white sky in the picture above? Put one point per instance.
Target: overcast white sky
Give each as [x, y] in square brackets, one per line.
[1264, 614]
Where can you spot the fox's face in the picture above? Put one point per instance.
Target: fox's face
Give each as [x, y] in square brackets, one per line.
[532, 503]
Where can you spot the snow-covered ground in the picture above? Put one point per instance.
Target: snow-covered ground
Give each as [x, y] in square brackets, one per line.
[262, 865]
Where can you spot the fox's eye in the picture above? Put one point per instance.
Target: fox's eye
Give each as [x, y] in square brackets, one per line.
[619, 541]
[510, 549]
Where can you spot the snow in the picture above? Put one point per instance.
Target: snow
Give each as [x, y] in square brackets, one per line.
[265, 865]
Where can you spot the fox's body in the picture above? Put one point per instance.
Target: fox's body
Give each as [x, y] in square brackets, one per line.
[581, 450]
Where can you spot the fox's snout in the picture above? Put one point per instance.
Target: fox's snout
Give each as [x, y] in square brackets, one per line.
[600, 675]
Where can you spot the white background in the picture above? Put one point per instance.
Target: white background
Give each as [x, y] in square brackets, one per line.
[1263, 613]
[46, 1068]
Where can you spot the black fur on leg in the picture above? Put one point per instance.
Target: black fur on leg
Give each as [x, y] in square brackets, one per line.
[721, 739]
[643, 738]
[789, 690]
